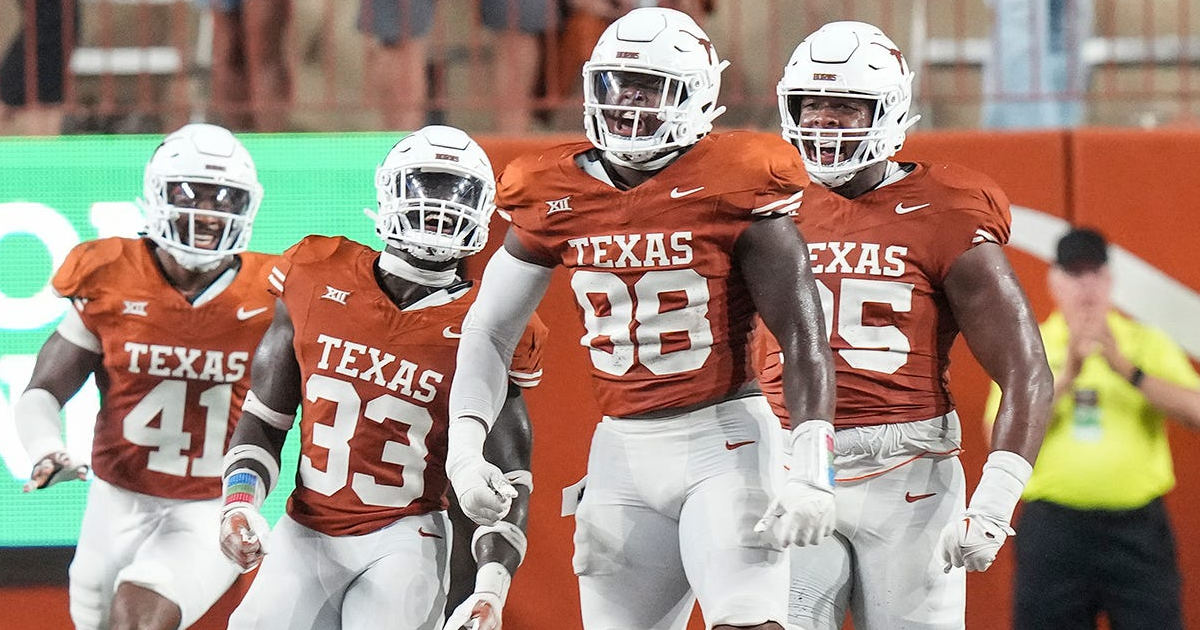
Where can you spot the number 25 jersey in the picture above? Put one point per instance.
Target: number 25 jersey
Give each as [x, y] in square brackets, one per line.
[880, 262]
[376, 383]
[666, 313]
[174, 373]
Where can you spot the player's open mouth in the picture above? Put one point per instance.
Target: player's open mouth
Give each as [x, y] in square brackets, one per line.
[624, 123]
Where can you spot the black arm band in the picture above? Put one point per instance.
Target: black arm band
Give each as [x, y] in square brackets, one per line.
[1137, 377]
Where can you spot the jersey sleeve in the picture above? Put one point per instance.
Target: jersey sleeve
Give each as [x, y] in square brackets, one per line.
[1166, 360]
[525, 191]
[83, 262]
[787, 179]
[526, 368]
[309, 250]
[978, 213]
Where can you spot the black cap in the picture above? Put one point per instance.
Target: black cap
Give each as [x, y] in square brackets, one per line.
[1082, 250]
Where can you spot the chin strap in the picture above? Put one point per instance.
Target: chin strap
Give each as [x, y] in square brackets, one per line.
[399, 267]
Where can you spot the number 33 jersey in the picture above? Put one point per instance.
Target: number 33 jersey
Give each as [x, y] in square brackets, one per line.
[666, 314]
[174, 373]
[376, 383]
[880, 262]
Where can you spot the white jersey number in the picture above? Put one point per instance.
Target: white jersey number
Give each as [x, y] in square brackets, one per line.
[875, 348]
[169, 441]
[335, 438]
[635, 321]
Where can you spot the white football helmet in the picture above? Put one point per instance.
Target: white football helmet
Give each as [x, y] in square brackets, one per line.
[200, 195]
[436, 193]
[854, 60]
[650, 87]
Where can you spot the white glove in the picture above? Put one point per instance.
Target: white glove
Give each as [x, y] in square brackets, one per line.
[973, 539]
[53, 468]
[244, 534]
[484, 495]
[803, 512]
[480, 611]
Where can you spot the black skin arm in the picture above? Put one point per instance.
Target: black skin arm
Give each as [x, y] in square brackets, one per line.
[275, 380]
[773, 259]
[1001, 330]
[509, 446]
[62, 368]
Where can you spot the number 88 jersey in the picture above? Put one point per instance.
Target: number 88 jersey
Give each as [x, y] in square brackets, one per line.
[667, 315]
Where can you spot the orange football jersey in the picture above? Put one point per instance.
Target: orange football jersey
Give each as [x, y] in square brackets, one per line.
[667, 315]
[376, 384]
[174, 374]
[880, 261]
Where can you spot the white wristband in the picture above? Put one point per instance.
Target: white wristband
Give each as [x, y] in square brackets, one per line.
[39, 424]
[511, 534]
[277, 419]
[812, 453]
[493, 578]
[1004, 477]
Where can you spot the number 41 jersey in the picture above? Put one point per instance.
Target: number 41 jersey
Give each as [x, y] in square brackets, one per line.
[174, 374]
[666, 314]
[880, 262]
[376, 384]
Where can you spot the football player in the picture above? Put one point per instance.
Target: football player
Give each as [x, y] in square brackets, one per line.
[906, 255]
[167, 324]
[365, 343]
[673, 238]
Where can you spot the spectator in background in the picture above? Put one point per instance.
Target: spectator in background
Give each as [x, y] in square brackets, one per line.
[1035, 75]
[251, 73]
[51, 46]
[1095, 536]
[399, 53]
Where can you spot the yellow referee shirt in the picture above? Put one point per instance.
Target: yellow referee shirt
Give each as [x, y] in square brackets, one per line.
[1115, 456]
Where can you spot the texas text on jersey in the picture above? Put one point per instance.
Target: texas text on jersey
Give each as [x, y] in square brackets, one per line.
[374, 418]
[175, 374]
[665, 313]
[882, 291]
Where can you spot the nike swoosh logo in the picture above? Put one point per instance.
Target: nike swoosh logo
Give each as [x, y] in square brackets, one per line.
[243, 314]
[421, 531]
[913, 498]
[900, 209]
[676, 193]
[735, 445]
[448, 332]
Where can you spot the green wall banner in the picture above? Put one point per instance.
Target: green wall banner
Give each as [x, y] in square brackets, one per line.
[58, 192]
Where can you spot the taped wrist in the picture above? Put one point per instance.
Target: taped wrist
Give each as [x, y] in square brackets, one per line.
[39, 424]
[1004, 477]
[244, 487]
[812, 454]
[493, 578]
[511, 534]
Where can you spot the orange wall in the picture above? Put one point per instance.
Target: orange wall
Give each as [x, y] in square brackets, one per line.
[1125, 182]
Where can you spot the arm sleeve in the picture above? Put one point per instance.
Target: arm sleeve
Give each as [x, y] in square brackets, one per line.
[510, 291]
